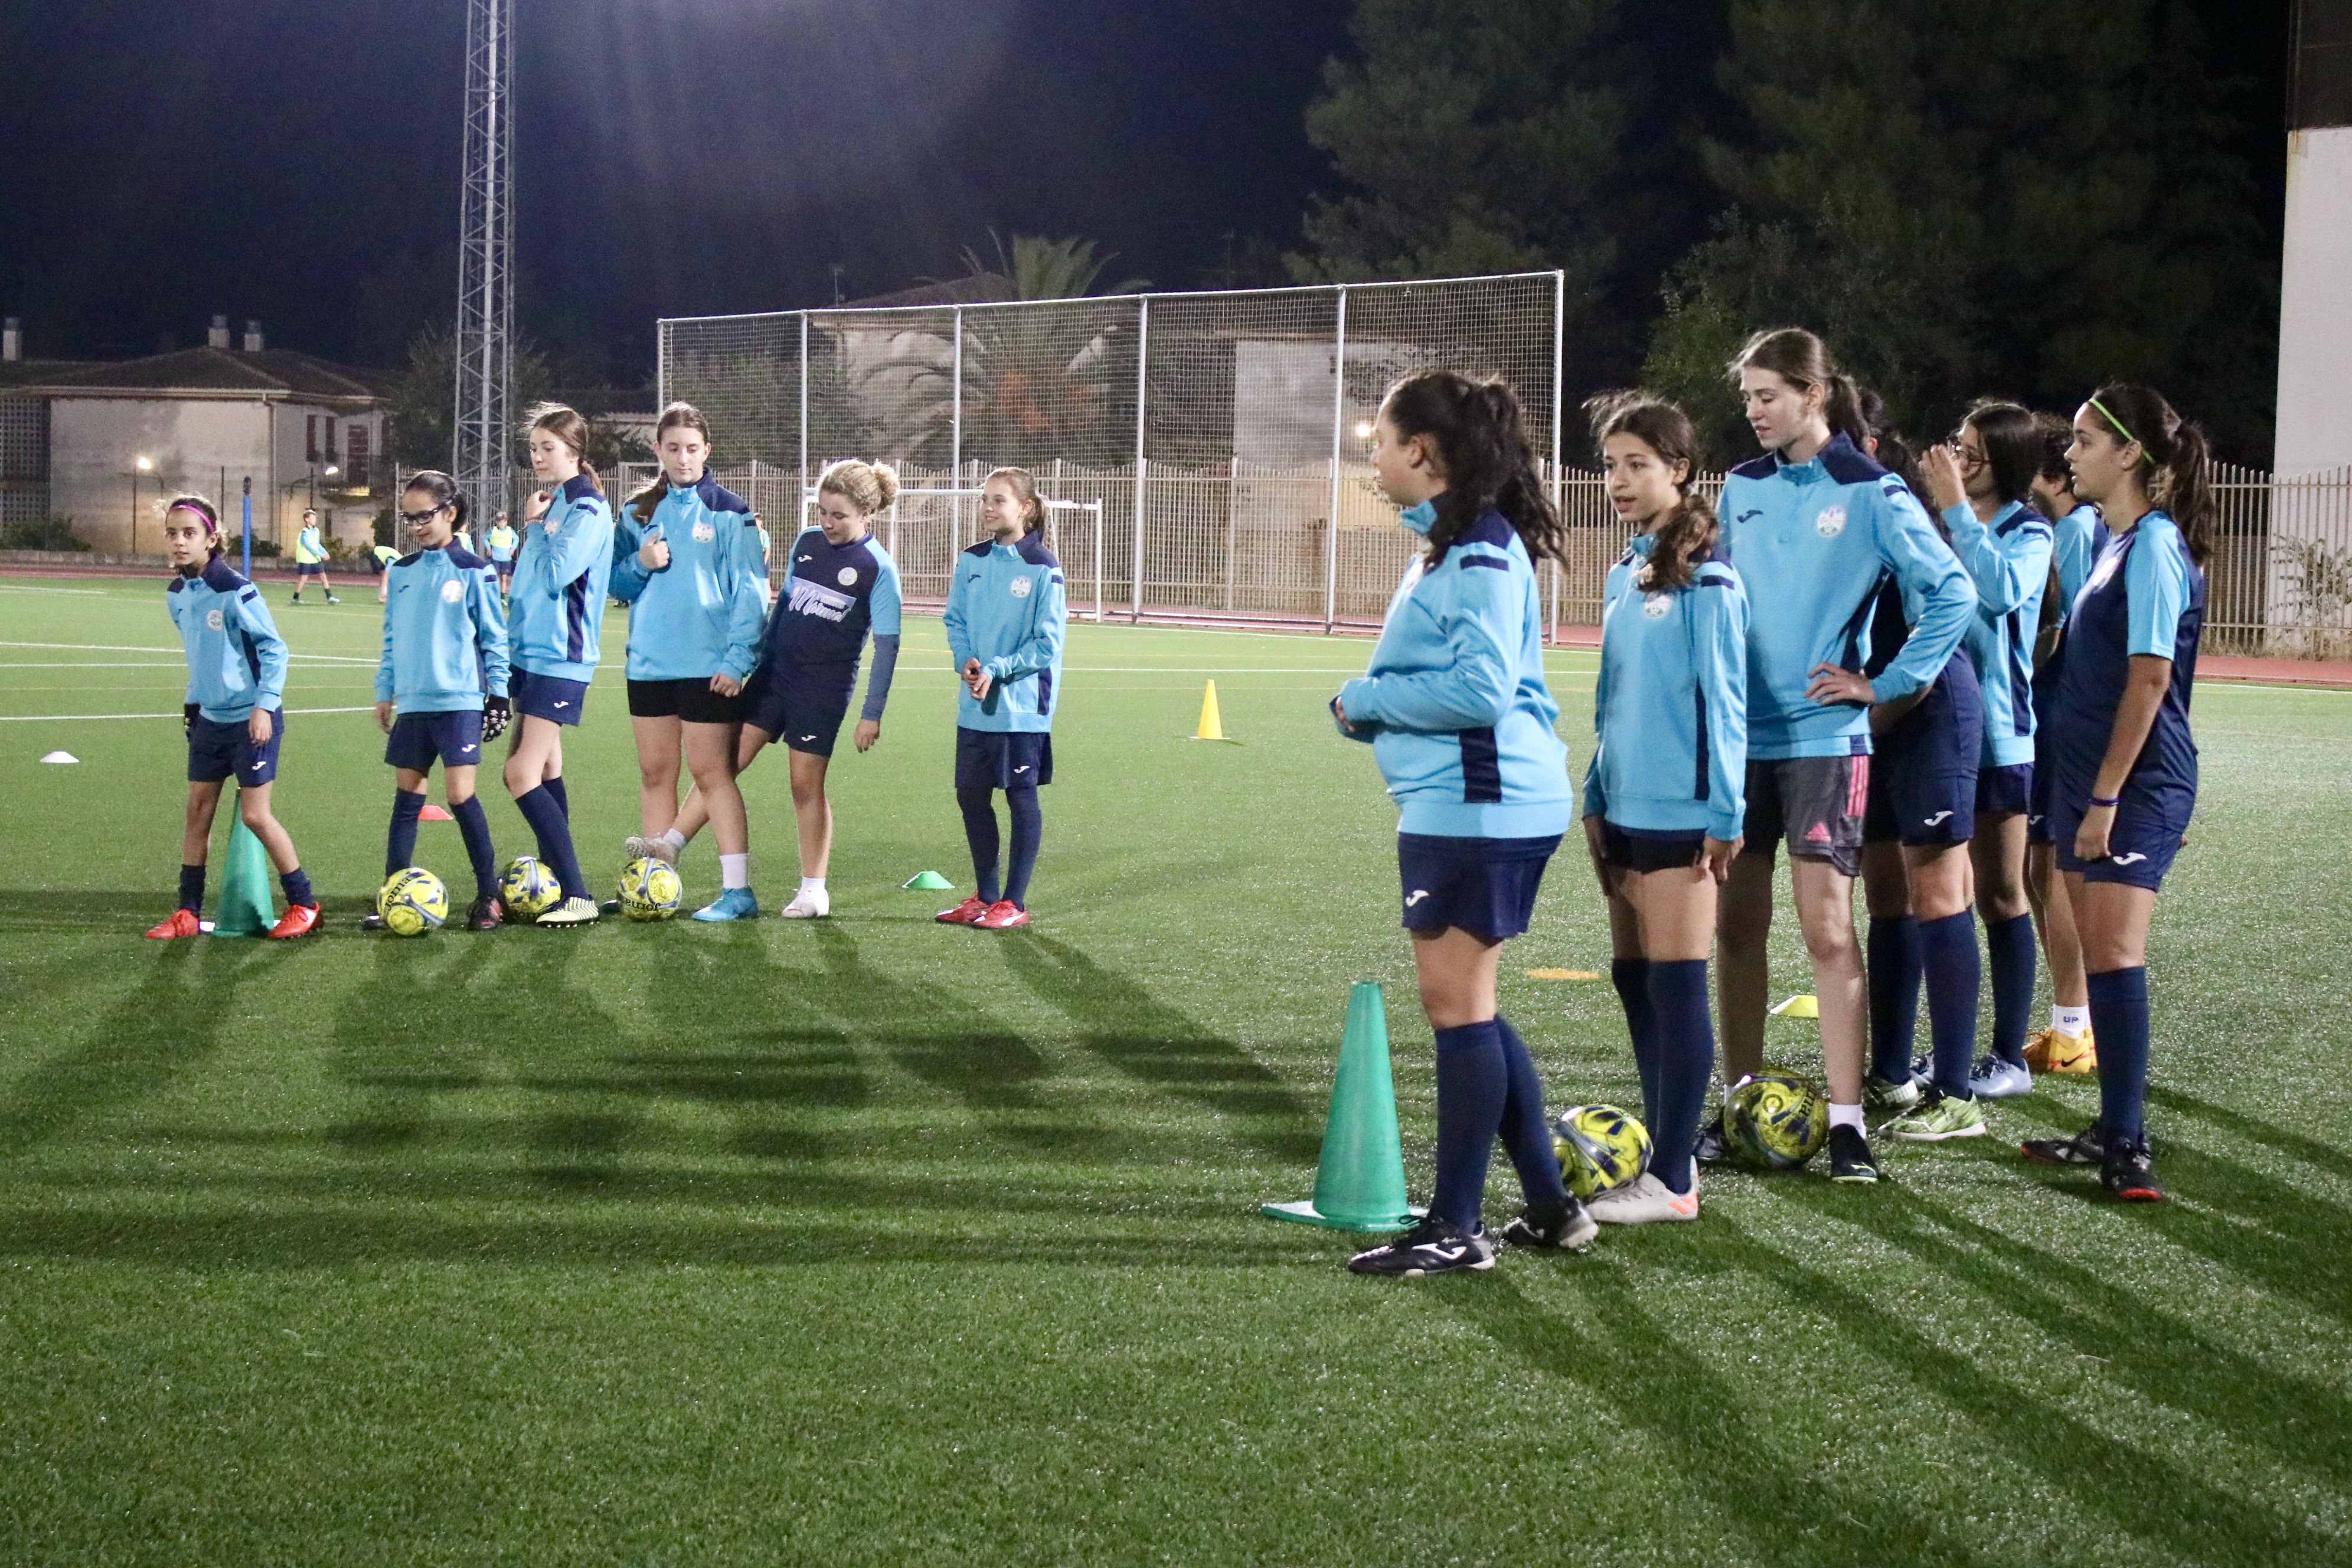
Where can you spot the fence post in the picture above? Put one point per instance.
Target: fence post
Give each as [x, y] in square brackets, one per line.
[1232, 504]
[1338, 418]
[800, 484]
[1142, 394]
[955, 449]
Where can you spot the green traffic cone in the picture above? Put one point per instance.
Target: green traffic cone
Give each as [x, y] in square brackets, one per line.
[930, 881]
[244, 907]
[1359, 1180]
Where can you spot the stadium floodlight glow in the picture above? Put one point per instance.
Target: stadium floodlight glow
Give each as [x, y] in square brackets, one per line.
[146, 465]
[1363, 429]
[331, 470]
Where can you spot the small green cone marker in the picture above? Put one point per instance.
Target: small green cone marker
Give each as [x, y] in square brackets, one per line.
[927, 881]
[1359, 1180]
[245, 907]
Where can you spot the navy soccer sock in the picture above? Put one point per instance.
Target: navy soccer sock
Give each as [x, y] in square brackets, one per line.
[476, 826]
[1631, 978]
[545, 813]
[192, 888]
[1526, 1137]
[980, 831]
[1947, 952]
[1894, 972]
[2119, 1019]
[2008, 945]
[554, 786]
[1028, 826]
[400, 844]
[1472, 1085]
[297, 884]
[1686, 1052]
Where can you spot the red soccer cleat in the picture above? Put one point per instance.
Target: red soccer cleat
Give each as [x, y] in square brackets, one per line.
[964, 914]
[299, 920]
[1002, 915]
[182, 923]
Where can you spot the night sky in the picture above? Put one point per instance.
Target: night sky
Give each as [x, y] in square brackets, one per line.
[297, 160]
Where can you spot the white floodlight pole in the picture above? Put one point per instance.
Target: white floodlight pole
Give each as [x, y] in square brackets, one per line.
[1338, 422]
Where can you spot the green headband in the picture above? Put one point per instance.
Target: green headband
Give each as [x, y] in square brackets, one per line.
[2119, 425]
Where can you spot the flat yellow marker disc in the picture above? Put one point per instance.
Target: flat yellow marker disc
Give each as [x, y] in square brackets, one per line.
[1798, 1006]
[1562, 975]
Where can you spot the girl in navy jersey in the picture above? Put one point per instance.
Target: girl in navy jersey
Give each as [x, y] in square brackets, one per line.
[2126, 762]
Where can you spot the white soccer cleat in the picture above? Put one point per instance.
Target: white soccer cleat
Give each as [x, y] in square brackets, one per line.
[640, 847]
[809, 903]
[1646, 1201]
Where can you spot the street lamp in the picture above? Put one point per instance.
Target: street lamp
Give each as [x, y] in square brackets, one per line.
[139, 466]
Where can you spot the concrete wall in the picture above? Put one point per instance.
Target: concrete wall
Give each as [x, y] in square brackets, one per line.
[2315, 384]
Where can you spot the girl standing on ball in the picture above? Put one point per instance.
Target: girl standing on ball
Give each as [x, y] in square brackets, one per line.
[1456, 709]
[557, 611]
[1663, 798]
[2126, 761]
[689, 568]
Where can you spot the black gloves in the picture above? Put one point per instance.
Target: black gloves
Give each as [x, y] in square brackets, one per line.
[496, 717]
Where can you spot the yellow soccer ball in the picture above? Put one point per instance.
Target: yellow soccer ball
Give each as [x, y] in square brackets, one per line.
[1600, 1147]
[527, 889]
[1775, 1123]
[650, 890]
[413, 902]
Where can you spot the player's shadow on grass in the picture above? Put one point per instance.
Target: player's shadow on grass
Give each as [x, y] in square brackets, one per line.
[2134, 1484]
[2166, 1359]
[1159, 1046]
[54, 911]
[2295, 1146]
[167, 1025]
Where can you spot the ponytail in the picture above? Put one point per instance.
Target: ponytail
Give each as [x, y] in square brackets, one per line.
[2174, 461]
[642, 504]
[1690, 528]
[1477, 426]
[567, 427]
[1800, 359]
[1842, 406]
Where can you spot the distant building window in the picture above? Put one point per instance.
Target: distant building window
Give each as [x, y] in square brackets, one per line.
[328, 445]
[310, 436]
[355, 463]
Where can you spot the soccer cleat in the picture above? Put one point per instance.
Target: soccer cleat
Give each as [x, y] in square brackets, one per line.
[809, 903]
[1002, 915]
[2071, 1054]
[1939, 1116]
[1646, 1201]
[1996, 1080]
[1850, 1160]
[2088, 1147]
[1432, 1246]
[734, 904]
[299, 920]
[963, 915]
[1891, 1097]
[2126, 1173]
[572, 912]
[1570, 1225]
[640, 847]
[485, 914]
[332, 600]
[371, 920]
[1713, 1147]
[182, 923]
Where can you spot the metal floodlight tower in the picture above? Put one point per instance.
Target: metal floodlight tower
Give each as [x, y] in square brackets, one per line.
[485, 345]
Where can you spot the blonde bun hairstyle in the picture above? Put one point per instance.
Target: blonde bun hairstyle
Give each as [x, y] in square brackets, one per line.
[868, 487]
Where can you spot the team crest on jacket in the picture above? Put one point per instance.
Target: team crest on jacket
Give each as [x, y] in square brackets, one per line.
[846, 576]
[1656, 605]
[704, 533]
[1021, 587]
[452, 591]
[213, 619]
[1829, 521]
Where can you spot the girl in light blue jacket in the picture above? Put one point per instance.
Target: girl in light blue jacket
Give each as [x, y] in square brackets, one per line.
[1460, 723]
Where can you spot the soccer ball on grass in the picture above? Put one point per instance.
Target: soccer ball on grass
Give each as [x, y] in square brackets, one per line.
[1600, 1147]
[527, 889]
[649, 889]
[1775, 1123]
[413, 902]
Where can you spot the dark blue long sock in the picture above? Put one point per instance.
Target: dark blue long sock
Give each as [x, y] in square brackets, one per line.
[1527, 1137]
[1685, 1053]
[554, 786]
[297, 884]
[1028, 826]
[1895, 968]
[476, 826]
[1631, 978]
[1472, 1085]
[1948, 953]
[980, 831]
[2009, 950]
[548, 824]
[192, 888]
[400, 844]
[2119, 1020]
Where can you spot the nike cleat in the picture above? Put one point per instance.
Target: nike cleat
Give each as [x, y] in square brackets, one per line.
[1002, 915]
[1995, 1079]
[2071, 1053]
[183, 922]
[1645, 1200]
[2088, 1147]
[572, 912]
[809, 903]
[1891, 1097]
[1938, 1118]
[1431, 1247]
[734, 904]
[1570, 1225]
[963, 915]
[1850, 1160]
[299, 920]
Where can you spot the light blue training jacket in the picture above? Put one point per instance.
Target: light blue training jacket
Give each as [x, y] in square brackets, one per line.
[236, 660]
[1813, 542]
[701, 615]
[556, 598]
[444, 633]
[1006, 608]
[1670, 705]
[2076, 541]
[2009, 559]
[1453, 701]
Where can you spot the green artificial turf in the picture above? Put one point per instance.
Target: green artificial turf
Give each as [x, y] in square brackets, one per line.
[869, 1241]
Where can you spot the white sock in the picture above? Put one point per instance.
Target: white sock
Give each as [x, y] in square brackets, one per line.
[2071, 1022]
[1845, 1116]
[674, 838]
[734, 871]
[812, 884]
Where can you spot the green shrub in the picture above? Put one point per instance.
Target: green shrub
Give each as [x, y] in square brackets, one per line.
[43, 534]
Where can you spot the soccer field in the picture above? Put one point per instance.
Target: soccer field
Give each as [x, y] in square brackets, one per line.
[871, 1241]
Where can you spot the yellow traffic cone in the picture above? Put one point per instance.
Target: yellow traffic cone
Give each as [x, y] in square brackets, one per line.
[1212, 728]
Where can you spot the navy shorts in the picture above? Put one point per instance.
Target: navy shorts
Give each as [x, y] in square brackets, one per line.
[1005, 759]
[1484, 886]
[309, 568]
[417, 739]
[2005, 792]
[216, 751]
[1923, 772]
[803, 705]
[2140, 846]
[1815, 803]
[690, 699]
[547, 696]
[1648, 849]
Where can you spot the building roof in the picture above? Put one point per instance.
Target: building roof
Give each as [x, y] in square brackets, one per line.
[216, 373]
[22, 373]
